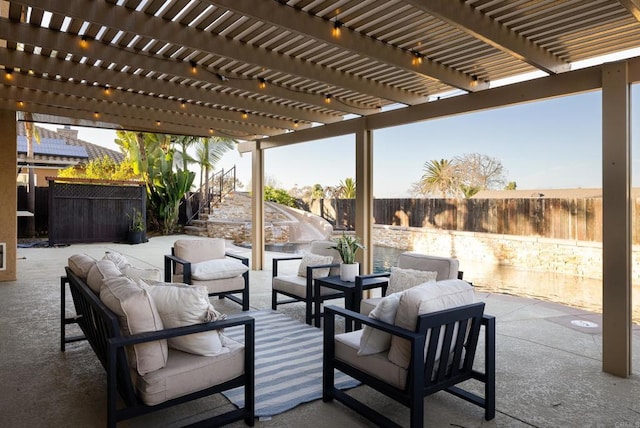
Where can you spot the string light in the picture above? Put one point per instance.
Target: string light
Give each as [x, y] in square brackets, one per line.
[8, 73]
[84, 43]
[295, 124]
[183, 104]
[327, 99]
[158, 123]
[417, 58]
[474, 80]
[336, 31]
[194, 67]
[245, 115]
[262, 83]
[107, 90]
[20, 103]
[96, 115]
[211, 131]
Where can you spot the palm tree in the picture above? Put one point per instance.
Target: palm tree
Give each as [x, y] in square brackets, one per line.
[439, 176]
[184, 141]
[31, 133]
[347, 188]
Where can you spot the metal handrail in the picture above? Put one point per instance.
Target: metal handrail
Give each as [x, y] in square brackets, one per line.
[216, 187]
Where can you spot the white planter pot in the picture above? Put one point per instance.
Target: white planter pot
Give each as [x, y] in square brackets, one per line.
[348, 272]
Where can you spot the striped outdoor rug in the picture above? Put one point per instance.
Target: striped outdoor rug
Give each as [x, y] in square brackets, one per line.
[288, 364]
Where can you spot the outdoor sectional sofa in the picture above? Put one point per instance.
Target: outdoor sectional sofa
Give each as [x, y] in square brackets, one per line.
[123, 327]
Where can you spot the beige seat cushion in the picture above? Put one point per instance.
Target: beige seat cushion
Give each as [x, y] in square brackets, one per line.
[137, 313]
[217, 285]
[296, 285]
[424, 299]
[347, 346]
[185, 373]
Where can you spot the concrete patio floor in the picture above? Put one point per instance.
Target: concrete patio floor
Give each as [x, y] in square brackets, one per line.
[548, 363]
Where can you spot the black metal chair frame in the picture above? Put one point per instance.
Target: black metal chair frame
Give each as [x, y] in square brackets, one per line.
[171, 261]
[102, 331]
[309, 299]
[425, 376]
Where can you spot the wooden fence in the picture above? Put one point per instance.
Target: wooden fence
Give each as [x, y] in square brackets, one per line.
[85, 211]
[573, 218]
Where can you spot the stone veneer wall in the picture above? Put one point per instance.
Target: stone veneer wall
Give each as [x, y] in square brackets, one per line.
[571, 257]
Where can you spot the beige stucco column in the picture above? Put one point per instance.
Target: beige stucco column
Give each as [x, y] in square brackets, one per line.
[8, 218]
[364, 195]
[616, 227]
[257, 209]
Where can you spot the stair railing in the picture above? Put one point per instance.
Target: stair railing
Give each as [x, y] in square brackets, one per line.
[216, 187]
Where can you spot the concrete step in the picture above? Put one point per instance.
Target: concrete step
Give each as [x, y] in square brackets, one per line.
[195, 231]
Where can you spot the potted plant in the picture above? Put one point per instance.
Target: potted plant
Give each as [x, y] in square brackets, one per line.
[137, 227]
[347, 246]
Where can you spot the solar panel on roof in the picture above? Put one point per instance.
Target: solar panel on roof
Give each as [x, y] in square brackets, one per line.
[52, 147]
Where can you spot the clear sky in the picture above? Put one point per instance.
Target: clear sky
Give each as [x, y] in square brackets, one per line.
[547, 144]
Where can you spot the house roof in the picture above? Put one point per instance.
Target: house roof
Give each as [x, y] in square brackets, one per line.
[63, 147]
[264, 69]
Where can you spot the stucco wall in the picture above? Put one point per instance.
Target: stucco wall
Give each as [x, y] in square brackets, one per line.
[556, 255]
[8, 219]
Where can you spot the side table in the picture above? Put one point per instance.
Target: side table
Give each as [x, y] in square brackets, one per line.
[352, 292]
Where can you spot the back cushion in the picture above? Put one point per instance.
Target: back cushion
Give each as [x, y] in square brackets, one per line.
[136, 313]
[101, 270]
[327, 248]
[402, 279]
[199, 250]
[81, 264]
[445, 267]
[425, 299]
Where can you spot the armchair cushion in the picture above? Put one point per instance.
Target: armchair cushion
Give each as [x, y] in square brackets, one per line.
[139, 274]
[217, 269]
[446, 267]
[118, 259]
[199, 250]
[186, 373]
[101, 270]
[296, 285]
[181, 305]
[310, 259]
[137, 313]
[403, 279]
[422, 300]
[81, 264]
[374, 340]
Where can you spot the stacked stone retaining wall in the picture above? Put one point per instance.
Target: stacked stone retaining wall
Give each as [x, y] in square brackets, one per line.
[571, 257]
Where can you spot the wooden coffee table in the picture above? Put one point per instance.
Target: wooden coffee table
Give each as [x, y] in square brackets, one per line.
[352, 292]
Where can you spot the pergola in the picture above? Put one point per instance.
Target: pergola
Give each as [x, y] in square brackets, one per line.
[277, 72]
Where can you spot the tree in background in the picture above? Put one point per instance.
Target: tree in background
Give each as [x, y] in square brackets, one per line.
[103, 168]
[346, 189]
[511, 186]
[209, 151]
[279, 196]
[438, 178]
[153, 156]
[464, 176]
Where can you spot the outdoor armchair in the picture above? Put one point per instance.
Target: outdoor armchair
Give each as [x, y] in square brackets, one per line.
[438, 354]
[322, 260]
[205, 262]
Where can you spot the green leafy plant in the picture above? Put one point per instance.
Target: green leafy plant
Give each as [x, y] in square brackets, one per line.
[348, 246]
[137, 223]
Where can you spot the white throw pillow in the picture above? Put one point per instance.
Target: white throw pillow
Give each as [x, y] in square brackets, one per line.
[81, 264]
[422, 300]
[181, 305]
[373, 340]
[310, 259]
[217, 269]
[138, 274]
[403, 279]
[136, 313]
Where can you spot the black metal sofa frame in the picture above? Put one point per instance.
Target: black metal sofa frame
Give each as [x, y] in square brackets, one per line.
[171, 260]
[102, 331]
[426, 377]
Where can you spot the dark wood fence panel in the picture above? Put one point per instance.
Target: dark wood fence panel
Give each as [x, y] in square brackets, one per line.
[92, 212]
[576, 218]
